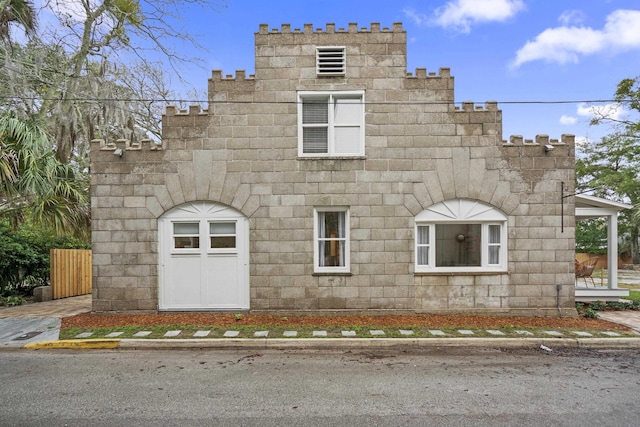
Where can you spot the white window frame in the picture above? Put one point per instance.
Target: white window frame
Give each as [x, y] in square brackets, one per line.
[331, 125]
[317, 256]
[461, 211]
[331, 60]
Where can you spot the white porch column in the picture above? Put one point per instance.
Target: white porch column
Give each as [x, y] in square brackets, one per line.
[612, 253]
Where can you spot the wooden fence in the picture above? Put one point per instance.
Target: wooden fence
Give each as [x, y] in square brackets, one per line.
[70, 272]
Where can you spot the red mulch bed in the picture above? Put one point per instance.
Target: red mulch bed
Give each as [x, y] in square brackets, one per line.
[88, 320]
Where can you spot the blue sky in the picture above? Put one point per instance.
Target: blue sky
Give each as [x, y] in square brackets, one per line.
[503, 50]
[520, 53]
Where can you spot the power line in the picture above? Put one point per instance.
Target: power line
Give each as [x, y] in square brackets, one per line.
[201, 101]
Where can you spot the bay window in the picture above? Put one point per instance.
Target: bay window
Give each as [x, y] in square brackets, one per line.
[460, 235]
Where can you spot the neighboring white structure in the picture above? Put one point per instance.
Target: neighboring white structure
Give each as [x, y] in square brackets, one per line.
[595, 207]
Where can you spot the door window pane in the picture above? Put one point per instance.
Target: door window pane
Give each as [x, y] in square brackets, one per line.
[186, 228]
[186, 235]
[222, 228]
[222, 235]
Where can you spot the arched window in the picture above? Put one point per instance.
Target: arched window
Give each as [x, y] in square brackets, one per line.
[461, 236]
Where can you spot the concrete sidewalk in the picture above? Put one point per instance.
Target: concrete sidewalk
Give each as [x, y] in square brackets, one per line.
[628, 318]
[58, 308]
[38, 322]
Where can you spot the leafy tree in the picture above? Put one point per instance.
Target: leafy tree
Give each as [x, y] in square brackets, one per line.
[34, 184]
[591, 236]
[73, 77]
[19, 12]
[611, 167]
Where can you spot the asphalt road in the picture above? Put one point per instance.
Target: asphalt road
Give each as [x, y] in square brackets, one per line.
[445, 387]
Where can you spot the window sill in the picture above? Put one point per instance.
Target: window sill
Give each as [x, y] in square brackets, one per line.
[460, 273]
[329, 273]
[332, 157]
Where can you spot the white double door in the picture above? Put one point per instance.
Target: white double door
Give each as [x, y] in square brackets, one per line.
[204, 258]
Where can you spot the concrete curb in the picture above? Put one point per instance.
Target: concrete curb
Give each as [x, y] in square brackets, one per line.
[332, 343]
[97, 344]
[374, 343]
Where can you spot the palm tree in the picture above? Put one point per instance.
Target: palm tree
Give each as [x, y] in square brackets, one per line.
[33, 183]
[19, 12]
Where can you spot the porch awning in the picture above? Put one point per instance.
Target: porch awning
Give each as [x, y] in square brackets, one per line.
[596, 207]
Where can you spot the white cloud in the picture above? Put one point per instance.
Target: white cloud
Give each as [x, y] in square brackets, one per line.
[568, 120]
[612, 111]
[461, 15]
[567, 44]
[416, 17]
[569, 17]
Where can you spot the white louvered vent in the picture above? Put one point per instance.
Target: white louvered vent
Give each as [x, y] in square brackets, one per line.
[331, 61]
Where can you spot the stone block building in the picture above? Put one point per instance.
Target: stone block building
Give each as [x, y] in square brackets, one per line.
[333, 180]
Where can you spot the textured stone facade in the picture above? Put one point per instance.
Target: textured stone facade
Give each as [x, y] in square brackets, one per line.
[420, 149]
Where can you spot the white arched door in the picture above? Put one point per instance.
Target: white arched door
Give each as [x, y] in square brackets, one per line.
[204, 258]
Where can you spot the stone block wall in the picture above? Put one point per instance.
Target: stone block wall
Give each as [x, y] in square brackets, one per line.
[420, 149]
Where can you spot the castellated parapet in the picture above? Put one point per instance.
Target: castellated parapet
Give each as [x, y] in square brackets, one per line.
[241, 155]
[516, 140]
[126, 144]
[331, 29]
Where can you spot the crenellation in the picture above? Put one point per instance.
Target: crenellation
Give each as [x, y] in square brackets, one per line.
[216, 75]
[443, 73]
[491, 105]
[330, 28]
[470, 107]
[193, 110]
[540, 140]
[127, 145]
[241, 75]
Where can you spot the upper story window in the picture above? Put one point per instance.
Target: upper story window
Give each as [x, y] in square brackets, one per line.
[331, 240]
[330, 61]
[330, 124]
[461, 236]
